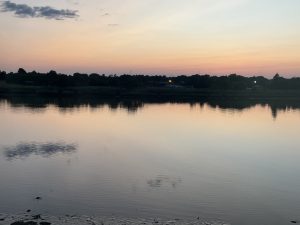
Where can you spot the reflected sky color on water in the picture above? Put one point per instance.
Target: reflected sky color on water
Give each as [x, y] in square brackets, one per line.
[163, 160]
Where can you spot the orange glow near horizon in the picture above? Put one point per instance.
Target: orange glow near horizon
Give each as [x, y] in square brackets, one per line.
[206, 37]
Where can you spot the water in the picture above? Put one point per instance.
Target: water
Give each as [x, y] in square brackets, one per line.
[239, 164]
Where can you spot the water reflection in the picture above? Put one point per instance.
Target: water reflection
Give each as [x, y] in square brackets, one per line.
[40, 104]
[161, 180]
[24, 150]
[167, 160]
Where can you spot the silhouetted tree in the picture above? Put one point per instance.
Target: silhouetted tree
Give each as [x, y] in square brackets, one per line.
[276, 77]
[21, 71]
[230, 82]
[2, 75]
[52, 73]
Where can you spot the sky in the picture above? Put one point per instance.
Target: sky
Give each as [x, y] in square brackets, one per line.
[172, 37]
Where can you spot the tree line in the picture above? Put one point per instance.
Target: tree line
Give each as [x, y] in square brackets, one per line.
[229, 82]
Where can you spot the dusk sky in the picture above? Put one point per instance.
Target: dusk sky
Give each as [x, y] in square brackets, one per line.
[248, 37]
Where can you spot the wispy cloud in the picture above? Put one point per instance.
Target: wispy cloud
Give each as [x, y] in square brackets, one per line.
[24, 11]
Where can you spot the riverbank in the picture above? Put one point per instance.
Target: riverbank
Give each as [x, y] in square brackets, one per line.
[177, 93]
[33, 219]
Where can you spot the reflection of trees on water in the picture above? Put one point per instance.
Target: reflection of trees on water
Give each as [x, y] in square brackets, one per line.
[24, 150]
[40, 104]
[275, 105]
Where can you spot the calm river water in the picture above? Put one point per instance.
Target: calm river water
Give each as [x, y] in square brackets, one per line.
[240, 165]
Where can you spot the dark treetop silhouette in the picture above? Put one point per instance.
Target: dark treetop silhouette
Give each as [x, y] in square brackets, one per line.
[230, 82]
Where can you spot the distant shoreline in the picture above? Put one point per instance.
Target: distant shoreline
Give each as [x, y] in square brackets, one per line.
[145, 86]
[144, 93]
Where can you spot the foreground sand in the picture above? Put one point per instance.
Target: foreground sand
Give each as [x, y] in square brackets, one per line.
[33, 219]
